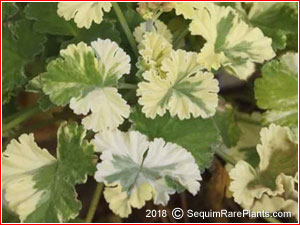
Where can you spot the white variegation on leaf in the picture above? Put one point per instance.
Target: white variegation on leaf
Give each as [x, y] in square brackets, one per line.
[137, 170]
[121, 204]
[188, 9]
[20, 161]
[278, 160]
[86, 77]
[231, 43]
[157, 27]
[183, 89]
[83, 13]
[107, 106]
[154, 48]
[39, 187]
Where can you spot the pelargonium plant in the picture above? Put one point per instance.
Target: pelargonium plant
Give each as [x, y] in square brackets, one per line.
[147, 100]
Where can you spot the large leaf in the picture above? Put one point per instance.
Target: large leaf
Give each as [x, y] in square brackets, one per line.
[277, 90]
[180, 87]
[40, 188]
[141, 170]
[86, 77]
[20, 45]
[198, 136]
[48, 21]
[277, 20]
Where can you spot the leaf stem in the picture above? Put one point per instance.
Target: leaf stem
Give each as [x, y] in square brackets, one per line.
[227, 158]
[180, 37]
[246, 119]
[125, 27]
[127, 86]
[94, 203]
[222, 154]
[20, 117]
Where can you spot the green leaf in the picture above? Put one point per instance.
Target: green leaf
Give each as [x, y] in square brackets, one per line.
[226, 123]
[20, 45]
[277, 90]
[48, 21]
[278, 21]
[9, 9]
[72, 76]
[43, 185]
[198, 136]
[245, 148]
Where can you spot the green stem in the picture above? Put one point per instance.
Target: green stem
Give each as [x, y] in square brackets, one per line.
[125, 27]
[180, 37]
[227, 158]
[222, 154]
[127, 86]
[247, 119]
[20, 117]
[94, 203]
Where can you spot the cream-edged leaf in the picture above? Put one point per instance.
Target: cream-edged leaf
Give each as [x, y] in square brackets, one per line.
[20, 159]
[113, 61]
[85, 77]
[154, 48]
[110, 116]
[231, 43]
[184, 89]
[138, 166]
[157, 27]
[40, 188]
[288, 201]
[188, 9]
[83, 13]
[120, 203]
[278, 156]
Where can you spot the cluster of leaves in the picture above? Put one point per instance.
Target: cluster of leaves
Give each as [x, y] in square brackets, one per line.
[173, 117]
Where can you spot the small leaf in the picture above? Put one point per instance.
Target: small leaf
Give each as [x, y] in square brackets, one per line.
[277, 90]
[35, 85]
[40, 188]
[198, 136]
